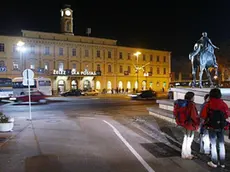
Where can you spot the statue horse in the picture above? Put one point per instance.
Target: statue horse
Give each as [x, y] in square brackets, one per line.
[203, 60]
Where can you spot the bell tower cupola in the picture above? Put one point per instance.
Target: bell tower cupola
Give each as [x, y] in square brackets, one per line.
[67, 20]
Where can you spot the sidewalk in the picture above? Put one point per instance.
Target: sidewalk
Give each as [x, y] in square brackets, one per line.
[174, 133]
[21, 151]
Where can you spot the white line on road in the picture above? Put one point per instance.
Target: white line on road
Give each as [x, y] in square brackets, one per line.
[142, 161]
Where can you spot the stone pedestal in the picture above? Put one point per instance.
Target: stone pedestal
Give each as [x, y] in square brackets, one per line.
[178, 93]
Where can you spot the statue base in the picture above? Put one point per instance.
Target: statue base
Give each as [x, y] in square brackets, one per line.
[178, 93]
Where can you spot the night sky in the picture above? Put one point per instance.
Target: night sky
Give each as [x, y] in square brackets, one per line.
[157, 25]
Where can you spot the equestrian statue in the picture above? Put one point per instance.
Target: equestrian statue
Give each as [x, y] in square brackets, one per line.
[203, 57]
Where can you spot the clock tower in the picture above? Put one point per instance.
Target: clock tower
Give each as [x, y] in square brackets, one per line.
[67, 20]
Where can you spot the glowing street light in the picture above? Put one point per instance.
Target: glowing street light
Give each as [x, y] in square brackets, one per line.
[20, 46]
[21, 49]
[137, 54]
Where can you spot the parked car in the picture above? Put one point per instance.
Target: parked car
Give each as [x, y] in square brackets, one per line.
[90, 93]
[36, 96]
[73, 92]
[146, 94]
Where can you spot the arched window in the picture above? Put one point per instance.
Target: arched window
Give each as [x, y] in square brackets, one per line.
[109, 85]
[151, 84]
[73, 84]
[143, 85]
[61, 86]
[129, 85]
[120, 85]
[136, 85]
[98, 85]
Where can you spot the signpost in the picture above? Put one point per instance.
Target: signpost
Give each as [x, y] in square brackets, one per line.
[28, 80]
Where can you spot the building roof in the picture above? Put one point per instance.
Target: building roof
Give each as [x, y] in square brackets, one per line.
[65, 37]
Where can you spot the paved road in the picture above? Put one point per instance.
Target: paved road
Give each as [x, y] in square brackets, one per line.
[82, 107]
[89, 134]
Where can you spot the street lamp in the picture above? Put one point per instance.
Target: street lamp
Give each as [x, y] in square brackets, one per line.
[146, 74]
[137, 68]
[21, 49]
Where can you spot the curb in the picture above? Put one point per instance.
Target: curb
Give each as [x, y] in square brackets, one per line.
[226, 139]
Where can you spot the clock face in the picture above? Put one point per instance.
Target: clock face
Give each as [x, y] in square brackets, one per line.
[67, 12]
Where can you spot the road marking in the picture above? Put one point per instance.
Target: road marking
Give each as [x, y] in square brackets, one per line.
[142, 161]
[85, 117]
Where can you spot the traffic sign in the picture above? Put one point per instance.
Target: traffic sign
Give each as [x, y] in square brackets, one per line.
[25, 82]
[28, 74]
[3, 69]
[28, 77]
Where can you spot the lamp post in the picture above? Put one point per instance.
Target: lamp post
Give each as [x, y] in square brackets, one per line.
[146, 74]
[21, 49]
[137, 68]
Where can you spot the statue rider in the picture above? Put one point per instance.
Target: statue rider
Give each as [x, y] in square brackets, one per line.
[206, 43]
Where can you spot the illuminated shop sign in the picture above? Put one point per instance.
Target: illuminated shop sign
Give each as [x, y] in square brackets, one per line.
[76, 73]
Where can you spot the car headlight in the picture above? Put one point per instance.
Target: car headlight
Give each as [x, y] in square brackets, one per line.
[133, 95]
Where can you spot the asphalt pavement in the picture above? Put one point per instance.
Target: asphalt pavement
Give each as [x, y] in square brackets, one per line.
[89, 134]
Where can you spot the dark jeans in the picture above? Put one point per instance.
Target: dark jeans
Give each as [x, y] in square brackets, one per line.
[217, 140]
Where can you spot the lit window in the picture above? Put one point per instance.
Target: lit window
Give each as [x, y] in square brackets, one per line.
[109, 85]
[74, 67]
[32, 66]
[46, 66]
[15, 66]
[60, 66]
[98, 85]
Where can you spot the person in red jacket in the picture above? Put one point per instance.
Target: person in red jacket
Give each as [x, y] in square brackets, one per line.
[190, 126]
[215, 113]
